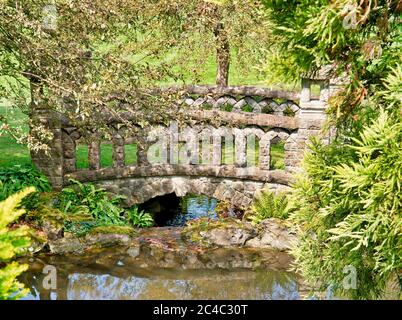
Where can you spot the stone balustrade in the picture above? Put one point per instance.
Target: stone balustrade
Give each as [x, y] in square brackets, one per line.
[240, 148]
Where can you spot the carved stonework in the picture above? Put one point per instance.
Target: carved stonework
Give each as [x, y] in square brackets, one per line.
[191, 159]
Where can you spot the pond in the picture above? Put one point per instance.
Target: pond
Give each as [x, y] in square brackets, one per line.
[158, 264]
[92, 278]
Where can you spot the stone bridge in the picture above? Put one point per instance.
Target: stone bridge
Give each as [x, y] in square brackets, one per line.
[230, 162]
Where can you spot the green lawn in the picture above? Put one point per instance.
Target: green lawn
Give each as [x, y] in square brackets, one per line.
[12, 153]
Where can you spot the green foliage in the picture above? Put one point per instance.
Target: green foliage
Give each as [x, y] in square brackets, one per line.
[87, 199]
[16, 178]
[87, 207]
[349, 210]
[270, 205]
[120, 46]
[348, 201]
[12, 243]
[139, 218]
[361, 40]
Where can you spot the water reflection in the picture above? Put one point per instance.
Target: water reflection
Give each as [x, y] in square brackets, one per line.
[193, 207]
[158, 284]
[146, 272]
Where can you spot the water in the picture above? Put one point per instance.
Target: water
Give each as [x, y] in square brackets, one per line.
[193, 207]
[158, 264]
[117, 279]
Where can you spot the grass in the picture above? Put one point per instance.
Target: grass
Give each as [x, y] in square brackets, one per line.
[12, 153]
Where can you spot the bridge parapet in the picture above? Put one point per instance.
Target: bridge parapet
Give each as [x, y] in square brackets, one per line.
[231, 135]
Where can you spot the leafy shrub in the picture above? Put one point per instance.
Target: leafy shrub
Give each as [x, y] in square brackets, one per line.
[12, 243]
[270, 205]
[92, 201]
[17, 178]
[349, 211]
[140, 218]
[88, 208]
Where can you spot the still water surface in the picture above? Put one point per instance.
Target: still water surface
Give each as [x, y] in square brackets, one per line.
[159, 265]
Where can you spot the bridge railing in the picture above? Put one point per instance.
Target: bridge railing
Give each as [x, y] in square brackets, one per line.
[252, 121]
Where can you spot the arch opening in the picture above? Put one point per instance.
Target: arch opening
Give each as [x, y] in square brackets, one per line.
[172, 211]
[277, 153]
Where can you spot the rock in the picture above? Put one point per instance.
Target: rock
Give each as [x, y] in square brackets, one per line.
[232, 234]
[133, 252]
[274, 234]
[53, 230]
[66, 245]
[79, 245]
[269, 234]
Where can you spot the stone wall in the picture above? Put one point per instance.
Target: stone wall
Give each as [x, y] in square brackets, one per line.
[138, 190]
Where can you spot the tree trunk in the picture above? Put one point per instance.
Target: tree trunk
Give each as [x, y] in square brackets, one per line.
[222, 55]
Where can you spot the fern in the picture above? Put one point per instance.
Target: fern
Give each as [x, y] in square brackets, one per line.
[270, 205]
[140, 219]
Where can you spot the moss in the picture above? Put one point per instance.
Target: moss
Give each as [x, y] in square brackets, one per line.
[79, 217]
[113, 229]
[45, 213]
[192, 231]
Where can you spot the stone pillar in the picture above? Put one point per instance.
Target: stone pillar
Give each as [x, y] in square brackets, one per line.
[118, 151]
[311, 118]
[206, 146]
[240, 148]
[49, 162]
[265, 151]
[216, 147]
[94, 155]
[142, 148]
[69, 145]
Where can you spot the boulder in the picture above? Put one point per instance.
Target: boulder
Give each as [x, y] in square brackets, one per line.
[273, 234]
[230, 235]
[79, 245]
[269, 234]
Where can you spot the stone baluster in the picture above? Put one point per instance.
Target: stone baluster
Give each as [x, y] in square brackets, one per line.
[240, 148]
[216, 147]
[265, 152]
[118, 151]
[68, 151]
[206, 151]
[94, 155]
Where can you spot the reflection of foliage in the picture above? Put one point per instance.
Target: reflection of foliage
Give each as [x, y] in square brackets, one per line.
[12, 243]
